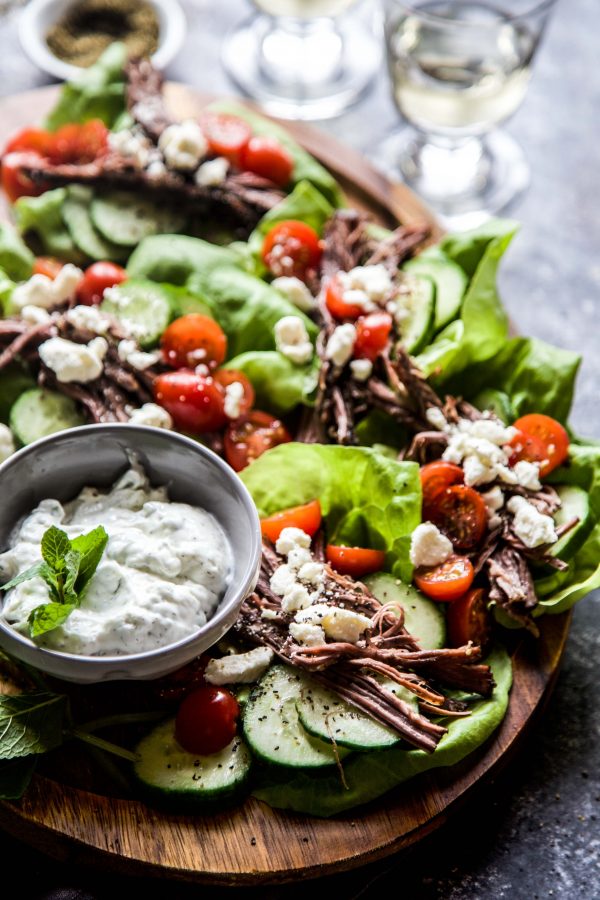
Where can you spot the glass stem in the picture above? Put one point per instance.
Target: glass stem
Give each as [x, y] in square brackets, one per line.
[446, 167]
[301, 54]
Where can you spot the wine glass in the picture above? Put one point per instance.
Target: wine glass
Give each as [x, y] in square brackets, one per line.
[305, 59]
[458, 68]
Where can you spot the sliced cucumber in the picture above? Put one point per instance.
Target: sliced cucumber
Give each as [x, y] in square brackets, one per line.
[14, 381]
[450, 282]
[170, 776]
[77, 218]
[125, 219]
[272, 726]
[416, 325]
[575, 504]
[144, 307]
[424, 619]
[497, 402]
[39, 412]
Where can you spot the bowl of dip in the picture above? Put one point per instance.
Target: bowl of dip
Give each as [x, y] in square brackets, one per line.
[183, 551]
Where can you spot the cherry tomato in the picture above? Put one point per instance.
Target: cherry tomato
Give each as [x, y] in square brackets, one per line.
[460, 513]
[267, 157]
[291, 248]
[48, 266]
[551, 434]
[435, 478]
[225, 377]
[96, 279]
[195, 402]
[15, 182]
[226, 135]
[36, 139]
[354, 561]
[372, 335]
[206, 720]
[306, 517]
[76, 143]
[177, 685]
[251, 436]
[447, 581]
[527, 447]
[468, 619]
[334, 301]
[193, 339]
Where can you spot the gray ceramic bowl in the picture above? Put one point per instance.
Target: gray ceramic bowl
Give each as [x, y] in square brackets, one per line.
[59, 466]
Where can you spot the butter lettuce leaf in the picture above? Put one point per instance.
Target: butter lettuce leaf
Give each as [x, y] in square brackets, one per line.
[41, 218]
[279, 385]
[174, 258]
[16, 259]
[98, 93]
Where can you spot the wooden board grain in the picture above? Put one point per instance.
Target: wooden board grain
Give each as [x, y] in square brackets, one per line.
[253, 843]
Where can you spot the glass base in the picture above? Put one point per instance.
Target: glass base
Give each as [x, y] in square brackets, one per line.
[302, 70]
[464, 182]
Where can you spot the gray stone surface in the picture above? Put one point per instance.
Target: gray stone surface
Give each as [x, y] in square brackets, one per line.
[534, 833]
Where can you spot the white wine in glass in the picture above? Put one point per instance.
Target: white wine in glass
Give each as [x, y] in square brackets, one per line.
[304, 9]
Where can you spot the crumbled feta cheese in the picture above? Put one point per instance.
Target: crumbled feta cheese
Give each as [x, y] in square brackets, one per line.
[494, 500]
[340, 345]
[239, 668]
[156, 169]
[428, 546]
[361, 369]
[292, 340]
[130, 353]
[295, 291]
[528, 474]
[308, 635]
[268, 613]
[290, 538]
[479, 446]
[531, 527]
[212, 172]
[234, 394]
[313, 615]
[151, 414]
[298, 557]
[133, 144]
[296, 597]
[74, 362]
[312, 572]
[339, 624]
[436, 418]
[35, 315]
[282, 580]
[373, 282]
[7, 444]
[47, 292]
[89, 318]
[183, 145]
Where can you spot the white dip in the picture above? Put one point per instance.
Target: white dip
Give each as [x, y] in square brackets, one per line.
[164, 570]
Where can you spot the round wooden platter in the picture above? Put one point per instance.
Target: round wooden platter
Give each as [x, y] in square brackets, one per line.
[253, 843]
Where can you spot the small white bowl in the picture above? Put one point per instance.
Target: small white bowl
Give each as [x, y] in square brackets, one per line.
[39, 15]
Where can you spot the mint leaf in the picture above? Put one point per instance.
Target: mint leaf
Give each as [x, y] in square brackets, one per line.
[91, 546]
[32, 572]
[72, 562]
[49, 616]
[15, 775]
[55, 546]
[31, 723]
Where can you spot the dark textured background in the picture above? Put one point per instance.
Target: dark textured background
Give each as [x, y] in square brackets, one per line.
[535, 832]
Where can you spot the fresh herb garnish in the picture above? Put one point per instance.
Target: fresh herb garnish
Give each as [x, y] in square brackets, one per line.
[67, 567]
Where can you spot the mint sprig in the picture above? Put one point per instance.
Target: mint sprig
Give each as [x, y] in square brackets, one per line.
[67, 567]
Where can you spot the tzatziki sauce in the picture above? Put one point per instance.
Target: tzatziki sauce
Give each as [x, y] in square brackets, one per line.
[165, 567]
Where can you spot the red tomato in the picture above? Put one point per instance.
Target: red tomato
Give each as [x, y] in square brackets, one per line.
[306, 517]
[447, 581]
[461, 514]
[354, 561]
[195, 402]
[177, 685]
[468, 619]
[250, 437]
[334, 301]
[35, 139]
[527, 447]
[225, 377]
[78, 143]
[550, 434]
[226, 135]
[267, 157]
[14, 181]
[372, 335]
[48, 266]
[435, 478]
[96, 279]
[206, 720]
[291, 248]
[192, 340]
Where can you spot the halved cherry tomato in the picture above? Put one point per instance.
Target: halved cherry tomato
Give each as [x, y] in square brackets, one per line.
[251, 436]
[206, 720]
[334, 301]
[48, 266]
[306, 517]
[195, 402]
[372, 335]
[73, 143]
[96, 279]
[354, 561]
[192, 340]
[227, 135]
[468, 619]
[36, 139]
[460, 513]
[435, 478]
[552, 436]
[526, 447]
[291, 248]
[267, 157]
[445, 582]
[15, 182]
[225, 377]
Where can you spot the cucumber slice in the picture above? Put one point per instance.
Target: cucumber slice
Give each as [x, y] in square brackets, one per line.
[416, 327]
[38, 413]
[272, 726]
[497, 402]
[14, 381]
[170, 776]
[76, 215]
[125, 219]
[575, 503]
[424, 619]
[143, 307]
[450, 282]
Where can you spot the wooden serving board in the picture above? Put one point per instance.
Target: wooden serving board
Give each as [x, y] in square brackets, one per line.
[253, 843]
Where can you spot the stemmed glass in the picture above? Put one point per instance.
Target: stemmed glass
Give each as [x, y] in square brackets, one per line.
[459, 68]
[305, 59]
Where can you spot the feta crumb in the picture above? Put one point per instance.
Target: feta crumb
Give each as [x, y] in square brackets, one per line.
[494, 500]
[292, 340]
[361, 369]
[7, 444]
[436, 418]
[46, 292]
[130, 353]
[156, 169]
[531, 527]
[290, 538]
[234, 394]
[528, 474]
[479, 446]
[212, 172]
[74, 362]
[428, 546]
[340, 345]
[35, 315]
[89, 318]
[308, 635]
[239, 668]
[268, 613]
[339, 624]
[151, 414]
[373, 281]
[298, 557]
[312, 572]
[183, 145]
[282, 580]
[133, 144]
[296, 292]
[295, 598]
